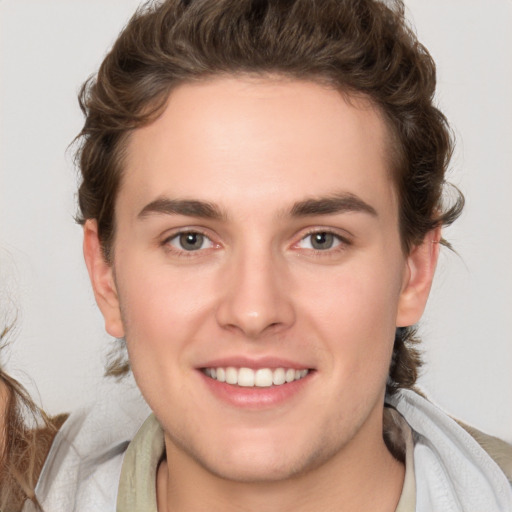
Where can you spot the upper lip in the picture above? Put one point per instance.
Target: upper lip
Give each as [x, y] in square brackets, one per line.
[254, 363]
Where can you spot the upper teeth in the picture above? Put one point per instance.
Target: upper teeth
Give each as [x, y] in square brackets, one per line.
[247, 377]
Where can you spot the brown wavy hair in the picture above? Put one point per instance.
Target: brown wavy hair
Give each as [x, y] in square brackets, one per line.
[26, 434]
[360, 47]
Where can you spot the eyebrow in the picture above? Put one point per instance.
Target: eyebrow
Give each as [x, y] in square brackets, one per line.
[187, 207]
[337, 203]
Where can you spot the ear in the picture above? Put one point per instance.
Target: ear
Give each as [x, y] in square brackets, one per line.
[101, 274]
[418, 276]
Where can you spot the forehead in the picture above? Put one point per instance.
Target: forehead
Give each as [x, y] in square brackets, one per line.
[259, 138]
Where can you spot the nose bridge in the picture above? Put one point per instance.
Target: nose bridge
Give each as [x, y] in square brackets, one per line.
[255, 298]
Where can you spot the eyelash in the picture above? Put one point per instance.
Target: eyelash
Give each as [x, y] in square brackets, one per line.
[341, 243]
[183, 253]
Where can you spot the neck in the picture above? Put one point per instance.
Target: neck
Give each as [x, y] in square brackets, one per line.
[362, 476]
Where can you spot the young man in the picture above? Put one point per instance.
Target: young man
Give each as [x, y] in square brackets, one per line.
[262, 211]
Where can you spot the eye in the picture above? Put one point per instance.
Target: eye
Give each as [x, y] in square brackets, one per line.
[190, 241]
[320, 241]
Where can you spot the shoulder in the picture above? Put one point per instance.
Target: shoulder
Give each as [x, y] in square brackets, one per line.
[83, 466]
[456, 467]
[498, 450]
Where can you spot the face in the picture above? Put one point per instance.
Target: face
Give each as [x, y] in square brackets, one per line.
[258, 275]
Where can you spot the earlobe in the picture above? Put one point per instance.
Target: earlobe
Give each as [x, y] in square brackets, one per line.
[420, 268]
[101, 275]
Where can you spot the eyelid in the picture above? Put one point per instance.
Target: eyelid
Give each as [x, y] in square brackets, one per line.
[343, 237]
[174, 233]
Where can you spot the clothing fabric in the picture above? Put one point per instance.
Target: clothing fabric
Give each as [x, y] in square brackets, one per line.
[138, 474]
[81, 472]
[452, 470]
[98, 463]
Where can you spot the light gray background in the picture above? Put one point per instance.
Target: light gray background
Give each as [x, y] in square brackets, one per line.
[47, 49]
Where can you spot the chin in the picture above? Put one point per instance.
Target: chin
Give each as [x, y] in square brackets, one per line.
[262, 462]
[256, 469]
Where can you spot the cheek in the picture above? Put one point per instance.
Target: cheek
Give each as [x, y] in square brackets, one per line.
[162, 317]
[354, 310]
[162, 310]
[359, 291]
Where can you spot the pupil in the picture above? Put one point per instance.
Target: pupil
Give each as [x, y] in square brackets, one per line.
[191, 241]
[322, 240]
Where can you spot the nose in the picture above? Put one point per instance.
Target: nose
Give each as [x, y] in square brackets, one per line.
[255, 298]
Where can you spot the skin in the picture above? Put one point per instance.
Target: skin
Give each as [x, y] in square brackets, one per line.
[256, 287]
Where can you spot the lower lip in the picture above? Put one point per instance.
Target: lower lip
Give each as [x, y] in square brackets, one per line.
[255, 397]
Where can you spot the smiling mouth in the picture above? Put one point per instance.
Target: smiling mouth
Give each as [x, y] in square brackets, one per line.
[249, 378]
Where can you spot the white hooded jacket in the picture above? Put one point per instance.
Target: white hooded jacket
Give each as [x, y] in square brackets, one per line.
[452, 472]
